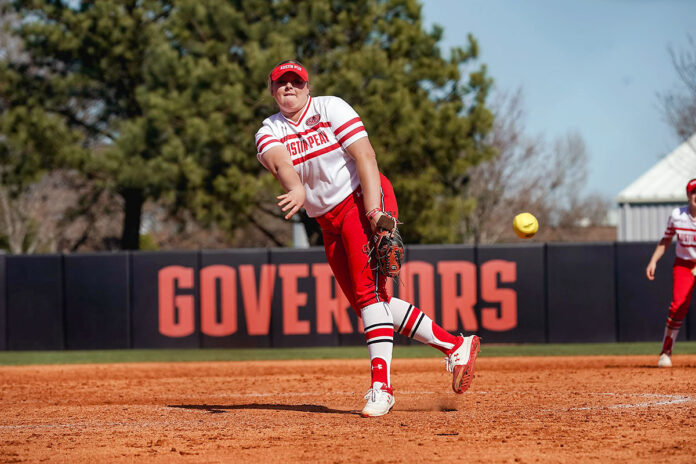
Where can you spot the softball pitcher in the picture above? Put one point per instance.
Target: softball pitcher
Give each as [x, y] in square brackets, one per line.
[318, 149]
[682, 223]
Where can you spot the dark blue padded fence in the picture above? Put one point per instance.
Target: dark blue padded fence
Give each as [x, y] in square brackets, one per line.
[527, 293]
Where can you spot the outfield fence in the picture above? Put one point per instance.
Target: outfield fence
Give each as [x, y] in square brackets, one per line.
[527, 293]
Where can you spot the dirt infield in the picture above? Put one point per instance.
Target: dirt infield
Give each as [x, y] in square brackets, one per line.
[560, 409]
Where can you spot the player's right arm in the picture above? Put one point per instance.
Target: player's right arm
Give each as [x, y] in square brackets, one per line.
[277, 161]
[666, 240]
[662, 245]
[657, 254]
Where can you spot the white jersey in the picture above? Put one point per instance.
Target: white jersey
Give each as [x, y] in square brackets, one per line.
[682, 225]
[317, 146]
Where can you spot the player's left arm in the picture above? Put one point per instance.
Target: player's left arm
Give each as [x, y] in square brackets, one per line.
[366, 163]
[351, 134]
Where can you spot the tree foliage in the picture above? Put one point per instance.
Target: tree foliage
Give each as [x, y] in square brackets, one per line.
[160, 99]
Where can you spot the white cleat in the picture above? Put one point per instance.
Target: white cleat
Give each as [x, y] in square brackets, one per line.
[461, 363]
[664, 361]
[380, 400]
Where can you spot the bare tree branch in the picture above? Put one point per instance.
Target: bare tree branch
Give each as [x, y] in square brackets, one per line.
[527, 175]
[679, 104]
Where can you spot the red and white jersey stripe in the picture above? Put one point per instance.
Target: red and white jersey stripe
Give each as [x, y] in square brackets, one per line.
[317, 146]
[681, 224]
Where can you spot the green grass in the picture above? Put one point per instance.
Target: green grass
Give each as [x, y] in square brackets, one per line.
[15, 358]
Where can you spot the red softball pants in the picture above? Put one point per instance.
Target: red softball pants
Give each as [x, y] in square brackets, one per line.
[682, 288]
[346, 232]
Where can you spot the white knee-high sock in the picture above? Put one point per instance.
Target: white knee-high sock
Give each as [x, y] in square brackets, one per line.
[379, 334]
[412, 322]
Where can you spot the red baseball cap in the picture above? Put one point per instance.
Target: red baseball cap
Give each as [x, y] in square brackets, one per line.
[691, 186]
[283, 68]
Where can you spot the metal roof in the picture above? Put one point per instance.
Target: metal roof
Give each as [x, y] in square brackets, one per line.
[666, 181]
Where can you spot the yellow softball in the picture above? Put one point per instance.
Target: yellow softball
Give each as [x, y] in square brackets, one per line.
[525, 225]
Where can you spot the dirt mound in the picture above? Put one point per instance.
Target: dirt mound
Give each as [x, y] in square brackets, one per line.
[560, 409]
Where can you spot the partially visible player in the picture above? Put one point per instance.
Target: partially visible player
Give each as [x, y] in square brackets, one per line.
[682, 223]
[318, 149]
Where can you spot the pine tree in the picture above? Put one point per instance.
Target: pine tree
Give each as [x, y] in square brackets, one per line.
[427, 123]
[161, 99]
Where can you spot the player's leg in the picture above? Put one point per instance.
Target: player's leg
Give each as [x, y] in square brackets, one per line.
[366, 295]
[344, 243]
[379, 334]
[371, 299]
[682, 288]
[338, 262]
[410, 321]
[460, 351]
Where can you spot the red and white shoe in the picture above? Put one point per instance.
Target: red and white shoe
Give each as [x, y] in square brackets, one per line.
[461, 362]
[380, 400]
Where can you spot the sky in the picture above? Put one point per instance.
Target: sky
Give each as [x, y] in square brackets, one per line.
[593, 67]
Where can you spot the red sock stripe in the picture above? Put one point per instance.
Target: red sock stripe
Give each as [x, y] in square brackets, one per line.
[383, 332]
[672, 324]
[411, 321]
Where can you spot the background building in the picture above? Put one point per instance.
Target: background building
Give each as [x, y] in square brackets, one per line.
[645, 204]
